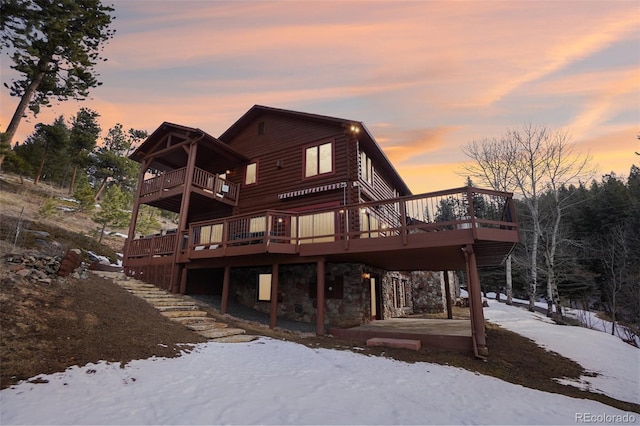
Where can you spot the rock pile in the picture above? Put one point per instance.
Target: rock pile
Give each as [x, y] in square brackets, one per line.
[42, 268]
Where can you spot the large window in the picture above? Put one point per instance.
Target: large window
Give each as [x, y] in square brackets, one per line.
[318, 160]
[251, 174]
[316, 228]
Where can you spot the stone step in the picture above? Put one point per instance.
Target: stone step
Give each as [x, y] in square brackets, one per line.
[156, 296]
[181, 311]
[191, 320]
[133, 284]
[205, 326]
[178, 314]
[236, 338]
[176, 308]
[176, 302]
[138, 291]
[220, 332]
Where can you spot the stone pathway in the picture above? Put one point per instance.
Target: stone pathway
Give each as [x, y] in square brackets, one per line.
[178, 309]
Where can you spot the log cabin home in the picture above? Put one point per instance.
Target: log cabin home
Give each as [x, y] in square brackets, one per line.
[303, 216]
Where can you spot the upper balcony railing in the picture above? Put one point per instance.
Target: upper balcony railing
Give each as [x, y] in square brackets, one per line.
[207, 181]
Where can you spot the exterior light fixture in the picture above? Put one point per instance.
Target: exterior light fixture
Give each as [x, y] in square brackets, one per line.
[366, 275]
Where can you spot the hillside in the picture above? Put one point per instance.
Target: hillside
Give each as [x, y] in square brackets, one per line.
[50, 325]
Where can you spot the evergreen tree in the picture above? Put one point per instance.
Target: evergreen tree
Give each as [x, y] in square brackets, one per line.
[112, 162]
[54, 46]
[45, 150]
[83, 137]
[113, 210]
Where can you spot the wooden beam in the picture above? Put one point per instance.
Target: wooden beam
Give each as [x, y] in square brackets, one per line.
[274, 296]
[184, 215]
[447, 289]
[320, 298]
[225, 290]
[475, 302]
[183, 281]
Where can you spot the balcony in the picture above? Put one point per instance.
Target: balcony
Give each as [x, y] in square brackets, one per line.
[424, 231]
[171, 185]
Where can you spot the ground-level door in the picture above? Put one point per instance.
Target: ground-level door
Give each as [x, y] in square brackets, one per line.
[376, 297]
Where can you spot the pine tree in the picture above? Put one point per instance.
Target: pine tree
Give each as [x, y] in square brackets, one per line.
[113, 210]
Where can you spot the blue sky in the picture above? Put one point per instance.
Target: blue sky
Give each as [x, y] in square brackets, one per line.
[426, 77]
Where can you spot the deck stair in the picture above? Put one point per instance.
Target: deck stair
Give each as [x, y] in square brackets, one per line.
[177, 308]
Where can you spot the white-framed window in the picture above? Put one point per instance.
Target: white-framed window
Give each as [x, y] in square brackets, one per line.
[251, 174]
[318, 159]
[366, 168]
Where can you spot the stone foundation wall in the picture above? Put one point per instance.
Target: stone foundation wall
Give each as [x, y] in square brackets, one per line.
[346, 298]
[429, 291]
[347, 295]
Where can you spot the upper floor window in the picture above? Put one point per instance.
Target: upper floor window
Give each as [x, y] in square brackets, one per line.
[261, 128]
[251, 174]
[366, 168]
[318, 160]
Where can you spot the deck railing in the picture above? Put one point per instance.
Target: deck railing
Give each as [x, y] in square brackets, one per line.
[438, 211]
[156, 245]
[207, 181]
[461, 208]
[213, 183]
[164, 181]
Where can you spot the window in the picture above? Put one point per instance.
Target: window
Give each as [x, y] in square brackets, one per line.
[318, 160]
[264, 287]
[366, 168]
[316, 228]
[261, 128]
[399, 296]
[251, 175]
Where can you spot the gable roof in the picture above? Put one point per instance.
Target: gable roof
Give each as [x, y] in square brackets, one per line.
[162, 146]
[365, 138]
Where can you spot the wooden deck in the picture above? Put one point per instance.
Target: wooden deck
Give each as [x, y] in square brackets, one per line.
[422, 232]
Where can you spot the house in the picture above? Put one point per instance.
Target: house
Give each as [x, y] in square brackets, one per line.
[303, 216]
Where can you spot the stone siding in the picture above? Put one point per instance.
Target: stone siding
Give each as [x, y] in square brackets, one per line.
[346, 298]
[429, 291]
[347, 295]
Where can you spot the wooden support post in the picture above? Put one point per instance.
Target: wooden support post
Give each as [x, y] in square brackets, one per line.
[475, 301]
[134, 214]
[447, 289]
[224, 303]
[320, 299]
[184, 213]
[183, 281]
[274, 296]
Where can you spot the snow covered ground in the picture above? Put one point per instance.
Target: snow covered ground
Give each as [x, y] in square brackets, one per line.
[275, 382]
[616, 363]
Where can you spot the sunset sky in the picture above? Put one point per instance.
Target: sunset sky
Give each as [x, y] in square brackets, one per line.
[426, 77]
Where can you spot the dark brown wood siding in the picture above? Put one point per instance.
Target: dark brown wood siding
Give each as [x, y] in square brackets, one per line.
[381, 188]
[279, 153]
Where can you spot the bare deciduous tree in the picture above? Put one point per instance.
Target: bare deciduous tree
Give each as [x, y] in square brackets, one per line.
[490, 168]
[530, 161]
